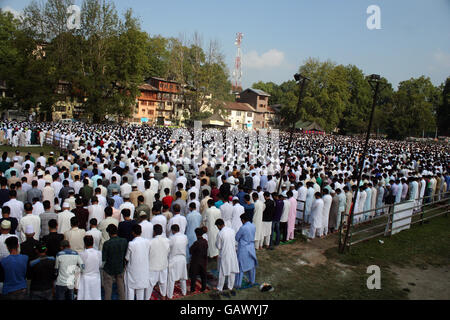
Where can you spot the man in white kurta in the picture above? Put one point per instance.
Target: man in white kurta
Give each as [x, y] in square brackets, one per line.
[257, 220]
[228, 264]
[96, 211]
[90, 281]
[302, 191]
[136, 270]
[177, 219]
[316, 216]
[147, 226]
[64, 218]
[159, 262]
[226, 211]
[238, 210]
[177, 261]
[327, 199]
[211, 215]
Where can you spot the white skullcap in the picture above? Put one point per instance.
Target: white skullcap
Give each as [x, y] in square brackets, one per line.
[66, 205]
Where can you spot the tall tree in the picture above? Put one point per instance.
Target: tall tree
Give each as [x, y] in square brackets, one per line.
[443, 109]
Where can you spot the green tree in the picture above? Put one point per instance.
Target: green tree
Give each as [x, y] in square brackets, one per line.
[326, 94]
[443, 109]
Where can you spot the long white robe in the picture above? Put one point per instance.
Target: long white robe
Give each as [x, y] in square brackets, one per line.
[90, 280]
[327, 199]
[211, 215]
[177, 269]
[236, 222]
[302, 191]
[226, 211]
[316, 217]
[257, 220]
[226, 244]
[137, 268]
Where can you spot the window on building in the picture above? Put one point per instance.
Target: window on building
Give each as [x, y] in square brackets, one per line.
[257, 122]
[150, 112]
[261, 106]
[238, 113]
[249, 114]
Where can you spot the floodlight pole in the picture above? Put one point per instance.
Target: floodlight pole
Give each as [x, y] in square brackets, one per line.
[373, 79]
[301, 81]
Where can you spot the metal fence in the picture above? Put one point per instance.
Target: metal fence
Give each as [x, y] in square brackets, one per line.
[389, 219]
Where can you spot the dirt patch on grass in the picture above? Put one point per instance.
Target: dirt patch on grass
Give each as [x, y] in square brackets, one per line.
[424, 282]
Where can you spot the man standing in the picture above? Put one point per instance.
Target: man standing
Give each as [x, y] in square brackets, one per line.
[327, 200]
[177, 219]
[64, 218]
[13, 270]
[257, 220]
[268, 213]
[159, 254]
[137, 257]
[95, 233]
[90, 281]
[246, 253]
[238, 210]
[29, 219]
[316, 216]
[41, 272]
[53, 240]
[67, 264]
[199, 260]
[211, 215]
[227, 262]
[103, 225]
[194, 220]
[113, 256]
[177, 261]
[75, 236]
[292, 215]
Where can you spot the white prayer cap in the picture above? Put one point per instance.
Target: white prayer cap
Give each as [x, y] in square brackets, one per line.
[126, 196]
[142, 213]
[66, 205]
[15, 159]
[6, 224]
[181, 172]
[134, 185]
[236, 198]
[29, 229]
[152, 175]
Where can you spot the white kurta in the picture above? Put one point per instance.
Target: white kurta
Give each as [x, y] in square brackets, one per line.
[96, 211]
[257, 219]
[316, 213]
[177, 257]
[236, 222]
[90, 280]
[211, 215]
[137, 275]
[226, 210]
[225, 243]
[327, 199]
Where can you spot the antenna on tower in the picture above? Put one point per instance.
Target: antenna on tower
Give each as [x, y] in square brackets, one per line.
[237, 72]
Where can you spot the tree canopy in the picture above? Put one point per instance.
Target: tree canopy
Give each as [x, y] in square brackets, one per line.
[339, 97]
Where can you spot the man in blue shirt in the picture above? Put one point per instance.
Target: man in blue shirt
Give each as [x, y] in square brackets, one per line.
[246, 253]
[13, 271]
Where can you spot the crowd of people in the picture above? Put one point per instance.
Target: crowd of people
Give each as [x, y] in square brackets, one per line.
[117, 206]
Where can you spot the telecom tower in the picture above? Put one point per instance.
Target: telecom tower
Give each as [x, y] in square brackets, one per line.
[237, 72]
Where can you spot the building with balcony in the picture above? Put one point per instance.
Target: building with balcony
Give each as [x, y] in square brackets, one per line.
[259, 100]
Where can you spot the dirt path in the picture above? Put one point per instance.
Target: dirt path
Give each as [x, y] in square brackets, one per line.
[426, 283]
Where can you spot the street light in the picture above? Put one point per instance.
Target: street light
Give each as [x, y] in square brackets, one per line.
[374, 82]
[301, 81]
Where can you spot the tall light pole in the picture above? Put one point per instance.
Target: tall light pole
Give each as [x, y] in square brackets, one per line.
[374, 81]
[301, 80]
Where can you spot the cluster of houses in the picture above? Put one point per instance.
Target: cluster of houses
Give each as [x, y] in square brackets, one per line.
[161, 102]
